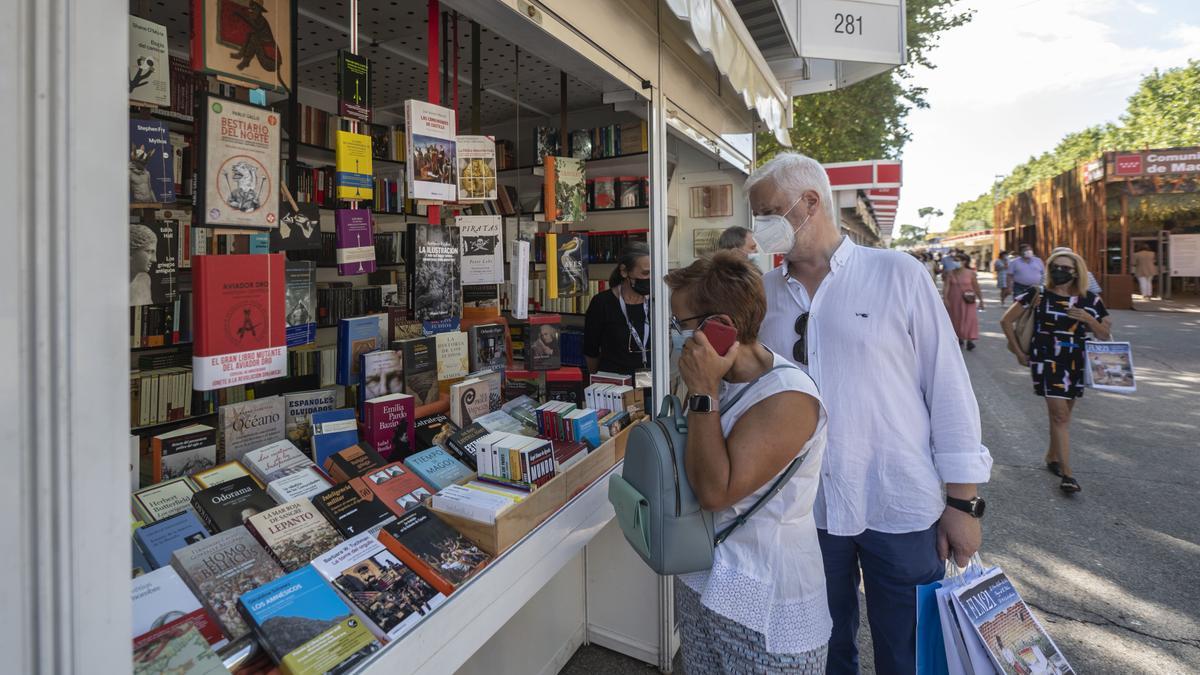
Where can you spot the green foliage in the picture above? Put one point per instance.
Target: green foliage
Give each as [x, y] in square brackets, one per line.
[867, 120]
[910, 235]
[973, 215]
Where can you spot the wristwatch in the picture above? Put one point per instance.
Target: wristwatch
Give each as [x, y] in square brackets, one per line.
[973, 507]
[702, 403]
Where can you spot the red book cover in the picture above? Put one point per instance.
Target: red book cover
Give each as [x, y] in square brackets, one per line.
[240, 333]
[391, 425]
[398, 488]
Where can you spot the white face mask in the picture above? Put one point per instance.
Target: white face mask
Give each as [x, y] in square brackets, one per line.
[678, 337]
[774, 233]
[1027, 254]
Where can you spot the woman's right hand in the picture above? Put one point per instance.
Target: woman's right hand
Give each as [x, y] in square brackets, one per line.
[1023, 359]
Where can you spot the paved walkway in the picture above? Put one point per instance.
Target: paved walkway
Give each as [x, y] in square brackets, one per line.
[1114, 572]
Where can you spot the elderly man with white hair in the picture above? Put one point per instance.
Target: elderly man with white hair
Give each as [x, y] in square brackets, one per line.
[898, 480]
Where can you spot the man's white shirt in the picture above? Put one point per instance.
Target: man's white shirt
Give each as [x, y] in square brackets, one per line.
[902, 415]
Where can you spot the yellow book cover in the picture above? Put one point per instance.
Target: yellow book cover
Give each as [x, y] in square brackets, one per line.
[551, 259]
[355, 181]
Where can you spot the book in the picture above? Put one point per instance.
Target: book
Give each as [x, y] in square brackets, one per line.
[149, 74]
[332, 432]
[390, 425]
[518, 383]
[248, 425]
[430, 151]
[396, 487]
[183, 452]
[381, 374]
[584, 427]
[482, 257]
[179, 648]
[159, 540]
[293, 533]
[151, 163]
[355, 241]
[222, 473]
[163, 500]
[385, 590]
[1006, 627]
[354, 86]
[305, 626]
[250, 42]
[565, 190]
[300, 280]
[153, 263]
[542, 345]
[487, 348]
[357, 336]
[438, 553]
[469, 399]
[352, 462]
[239, 184]
[476, 168]
[239, 327]
[227, 505]
[353, 160]
[494, 380]
[452, 355]
[221, 568]
[477, 505]
[299, 485]
[434, 430]
[162, 602]
[1109, 366]
[462, 444]
[298, 409]
[352, 508]
[434, 280]
[436, 467]
[299, 229]
[139, 564]
[419, 356]
[565, 384]
[275, 460]
[568, 263]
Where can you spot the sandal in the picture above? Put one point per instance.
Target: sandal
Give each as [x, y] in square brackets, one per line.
[1069, 485]
[1053, 468]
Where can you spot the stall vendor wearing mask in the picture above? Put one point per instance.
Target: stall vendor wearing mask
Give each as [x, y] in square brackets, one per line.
[616, 333]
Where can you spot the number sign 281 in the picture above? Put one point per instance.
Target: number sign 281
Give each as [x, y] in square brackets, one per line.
[847, 24]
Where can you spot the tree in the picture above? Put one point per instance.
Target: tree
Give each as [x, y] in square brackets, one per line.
[925, 213]
[973, 215]
[910, 235]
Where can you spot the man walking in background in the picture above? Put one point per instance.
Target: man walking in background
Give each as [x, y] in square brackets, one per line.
[1145, 268]
[1026, 270]
[870, 328]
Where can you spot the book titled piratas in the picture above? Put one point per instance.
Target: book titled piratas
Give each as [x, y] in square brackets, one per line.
[240, 332]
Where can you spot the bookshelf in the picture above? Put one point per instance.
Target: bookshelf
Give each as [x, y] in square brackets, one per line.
[158, 426]
[330, 151]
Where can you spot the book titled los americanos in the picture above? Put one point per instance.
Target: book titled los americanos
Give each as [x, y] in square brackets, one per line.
[240, 332]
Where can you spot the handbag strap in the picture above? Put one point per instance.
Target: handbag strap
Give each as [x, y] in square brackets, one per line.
[779, 482]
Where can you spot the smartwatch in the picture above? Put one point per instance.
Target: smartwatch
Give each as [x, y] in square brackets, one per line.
[702, 403]
[973, 507]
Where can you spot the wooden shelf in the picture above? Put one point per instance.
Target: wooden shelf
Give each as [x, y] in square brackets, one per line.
[161, 425]
[618, 161]
[327, 266]
[177, 345]
[321, 148]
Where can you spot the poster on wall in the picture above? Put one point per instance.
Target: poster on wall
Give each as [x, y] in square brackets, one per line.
[1185, 255]
[704, 240]
[241, 165]
[712, 201]
[245, 40]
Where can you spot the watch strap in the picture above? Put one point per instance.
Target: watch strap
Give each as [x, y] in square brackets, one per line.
[965, 505]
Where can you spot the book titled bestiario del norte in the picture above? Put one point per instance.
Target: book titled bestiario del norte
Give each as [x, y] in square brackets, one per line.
[240, 181]
[240, 334]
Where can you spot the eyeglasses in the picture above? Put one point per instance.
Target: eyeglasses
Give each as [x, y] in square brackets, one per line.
[800, 349]
[677, 324]
[1062, 268]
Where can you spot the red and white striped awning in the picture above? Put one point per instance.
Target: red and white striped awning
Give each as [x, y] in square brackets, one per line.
[878, 179]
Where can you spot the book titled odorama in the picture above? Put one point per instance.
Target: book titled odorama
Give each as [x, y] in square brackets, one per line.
[223, 567]
[240, 333]
[434, 550]
[228, 505]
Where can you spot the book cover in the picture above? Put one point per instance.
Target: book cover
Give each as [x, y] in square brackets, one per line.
[332, 432]
[227, 505]
[430, 151]
[151, 163]
[462, 445]
[299, 407]
[163, 500]
[179, 648]
[494, 379]
[382, 373]
[565, 190]
[159, 540]
[436, 467]
[240, 332]
[354, 177]
[248, 425]
[469, 400]
[481, 302]
[518, 383]
[1014, 638]
[401, 328]
[352, 462]
[476, 168]
[220, 569]
[452, 355]
[161, 602]
[352, 508]
[396, 487]
[389, 593]
[183, 452]
[245, 40]
[357, 336]
[299, 228]
[354, 86]
[1110, 366]
[221, 473]
[305, 626]
[565, 384]
[487, 349]
[355, 241]
[420, 369]
[434, 430]
[571, 258]
[153, 263]
[542, 347]
[477, 505]
[149, 74]
[139, 565]
[434, 282]
[300, 485]
[294, 533]
[434, 550]
[482, 257]
[300, 277]
[391, 425]
[240, 181]
[275, 460]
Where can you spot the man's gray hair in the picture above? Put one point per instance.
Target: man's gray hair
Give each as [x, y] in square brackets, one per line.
[794, 173]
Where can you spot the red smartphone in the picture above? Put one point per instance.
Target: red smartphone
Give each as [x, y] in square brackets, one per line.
[720, 336]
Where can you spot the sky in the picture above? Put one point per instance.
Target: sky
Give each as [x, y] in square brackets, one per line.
[1021, 75]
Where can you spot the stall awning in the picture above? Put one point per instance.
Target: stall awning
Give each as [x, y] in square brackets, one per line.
[879, 182]
[719, 30]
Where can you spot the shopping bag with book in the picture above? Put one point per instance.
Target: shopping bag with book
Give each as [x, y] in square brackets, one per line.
[955, 654]
[1109, 366]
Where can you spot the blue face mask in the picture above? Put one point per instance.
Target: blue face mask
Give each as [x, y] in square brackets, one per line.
[678, 337]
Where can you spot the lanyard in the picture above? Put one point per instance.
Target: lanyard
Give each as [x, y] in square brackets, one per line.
[645, 336]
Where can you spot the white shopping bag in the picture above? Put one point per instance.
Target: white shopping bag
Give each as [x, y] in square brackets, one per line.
[958, 656]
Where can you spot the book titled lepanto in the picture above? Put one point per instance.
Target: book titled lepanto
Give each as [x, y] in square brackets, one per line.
[299, 407]
[476, 168]
[352, 462]
[434, 550]
[301, 318]
[239, 184]
[227, 506]
[159, 540]
[390, 425]
[151, 163]
[354, 179]
[436, 467]
[223, 567]
[248, 425]
[275, 460]
[149, 71]
[294, 533]
[183, 452]
[162, 602]
[240, 332]
[352, 508]
[420, 369]
[398, 488]
[333, 431]
[430, 151]
[387, 592]
[163, 500]
[305, 626]
[565, 190]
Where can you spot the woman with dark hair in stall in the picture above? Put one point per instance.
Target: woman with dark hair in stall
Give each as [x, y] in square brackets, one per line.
[616, 332]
